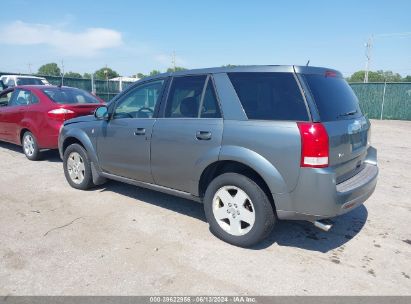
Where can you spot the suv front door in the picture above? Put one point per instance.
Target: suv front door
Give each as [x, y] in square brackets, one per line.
[123, 142]
[186, 136]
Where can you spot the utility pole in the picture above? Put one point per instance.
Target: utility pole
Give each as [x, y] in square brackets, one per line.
[106, 74]
[29, 65]
[173, 60]
[368, 47]
[62, 72]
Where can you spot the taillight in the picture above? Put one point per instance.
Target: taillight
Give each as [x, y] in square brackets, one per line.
[330, 74]
[314, 145]
[61, 114]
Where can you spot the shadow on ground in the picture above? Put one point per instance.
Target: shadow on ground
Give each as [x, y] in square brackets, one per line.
[286, 233]
[304, 235]
[46, 155]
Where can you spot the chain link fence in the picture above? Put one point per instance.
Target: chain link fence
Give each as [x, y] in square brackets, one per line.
[105, 89]
[390, 100]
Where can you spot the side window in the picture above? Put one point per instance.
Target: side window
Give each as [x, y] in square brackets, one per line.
[185, 96]
[270, 96]
[210, 107]
[20, 98]
[140, 102]
[5, 98]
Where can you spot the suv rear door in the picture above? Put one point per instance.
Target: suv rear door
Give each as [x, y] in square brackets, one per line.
[185, 135]
[340, 113]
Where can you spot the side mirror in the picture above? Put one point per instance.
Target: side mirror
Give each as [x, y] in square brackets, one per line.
[101, 113]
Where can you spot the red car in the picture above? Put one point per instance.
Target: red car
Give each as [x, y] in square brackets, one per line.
[31, 116]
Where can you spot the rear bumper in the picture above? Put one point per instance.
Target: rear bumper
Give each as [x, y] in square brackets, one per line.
[49, 136]
[317, 196]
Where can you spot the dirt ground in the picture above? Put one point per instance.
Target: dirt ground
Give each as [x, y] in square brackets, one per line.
[123, 240]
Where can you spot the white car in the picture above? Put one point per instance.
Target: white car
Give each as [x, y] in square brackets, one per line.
[14, 80]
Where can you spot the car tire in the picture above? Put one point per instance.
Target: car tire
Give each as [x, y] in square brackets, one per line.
[244, 218]
[77, 168]
[30, 146]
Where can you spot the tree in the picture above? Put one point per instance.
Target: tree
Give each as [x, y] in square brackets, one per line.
[176, 69]
[154, 73]
[87, 75]
[140, 75]
[228, 66]
[407, 78]
[50, 69]
[390, 76]
[105, 73]
[378, 76]
[73, 75]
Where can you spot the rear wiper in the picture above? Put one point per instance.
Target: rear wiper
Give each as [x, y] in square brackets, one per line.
[348, 113]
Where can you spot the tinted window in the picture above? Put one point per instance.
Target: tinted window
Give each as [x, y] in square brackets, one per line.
[140, 102]
[29, 81]
[210, 107]
[185, 95]
[269, 96]
[70, 96]
[334, 97]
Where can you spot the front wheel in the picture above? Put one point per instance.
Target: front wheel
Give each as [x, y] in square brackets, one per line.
[238, 210]
[30, 146]
[77, 168]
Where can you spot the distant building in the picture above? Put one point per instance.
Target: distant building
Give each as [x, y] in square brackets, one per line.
[122, 79]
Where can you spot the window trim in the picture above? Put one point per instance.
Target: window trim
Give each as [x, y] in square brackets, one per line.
[36, 97]
[217, 97]
[162, 113]
[123, 94]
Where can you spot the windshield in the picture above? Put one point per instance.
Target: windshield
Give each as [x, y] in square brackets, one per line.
[70, 96]
[29, 81]
[334, 97]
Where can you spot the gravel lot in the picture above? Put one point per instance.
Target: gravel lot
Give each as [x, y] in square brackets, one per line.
[123, 240]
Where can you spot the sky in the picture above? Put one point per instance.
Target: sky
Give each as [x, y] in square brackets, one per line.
[139, 36]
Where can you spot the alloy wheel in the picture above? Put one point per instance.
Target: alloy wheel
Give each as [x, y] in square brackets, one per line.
[75, 167]
[28, 145]
[233, 210]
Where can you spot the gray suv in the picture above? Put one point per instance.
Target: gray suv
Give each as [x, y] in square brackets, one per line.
[253, 143]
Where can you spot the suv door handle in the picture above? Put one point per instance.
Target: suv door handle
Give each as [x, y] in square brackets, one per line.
[203, 135]
[140, 131]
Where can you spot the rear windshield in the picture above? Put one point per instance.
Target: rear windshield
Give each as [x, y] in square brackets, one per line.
[29, 81]
[270, 96]
[334, 97]
[70, 96]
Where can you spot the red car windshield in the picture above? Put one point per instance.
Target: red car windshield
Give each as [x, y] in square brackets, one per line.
[70, 96]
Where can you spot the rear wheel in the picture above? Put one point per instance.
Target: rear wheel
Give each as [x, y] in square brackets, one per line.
[30, 146]
[238, 210]
[77, 168]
